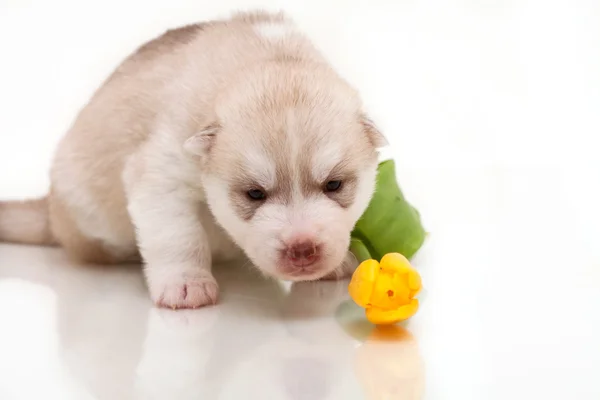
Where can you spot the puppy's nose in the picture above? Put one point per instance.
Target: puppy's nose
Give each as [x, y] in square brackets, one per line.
[304, 253]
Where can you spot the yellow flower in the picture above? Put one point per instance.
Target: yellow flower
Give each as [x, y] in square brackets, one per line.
[387, 289]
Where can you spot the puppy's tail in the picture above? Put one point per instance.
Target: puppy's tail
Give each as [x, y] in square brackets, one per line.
[25, 222]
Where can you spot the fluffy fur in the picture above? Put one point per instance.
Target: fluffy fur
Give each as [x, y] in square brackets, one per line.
[160, 161]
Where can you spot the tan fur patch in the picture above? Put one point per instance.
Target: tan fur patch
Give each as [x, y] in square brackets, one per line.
[238, 197]
[25, 222]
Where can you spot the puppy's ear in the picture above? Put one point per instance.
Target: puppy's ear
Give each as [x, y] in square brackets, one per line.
[373, 133]
[201, 142]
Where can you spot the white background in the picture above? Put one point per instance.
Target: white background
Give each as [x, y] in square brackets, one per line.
[492, 109]
[453, 84]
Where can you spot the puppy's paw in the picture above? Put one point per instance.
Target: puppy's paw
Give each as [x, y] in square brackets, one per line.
[186, 293]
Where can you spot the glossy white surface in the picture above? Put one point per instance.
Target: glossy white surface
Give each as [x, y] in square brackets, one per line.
[492, 112]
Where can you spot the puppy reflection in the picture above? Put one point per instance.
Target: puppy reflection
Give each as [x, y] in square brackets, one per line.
[309, 359]
[176, 355]
[197, 354]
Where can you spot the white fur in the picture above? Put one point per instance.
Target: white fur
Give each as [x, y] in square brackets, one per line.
[364, 191]
[89, 218]
[260, 166]
[325, 160]
[217, 194]
[294, 147]
[89, 215]
[171, 227]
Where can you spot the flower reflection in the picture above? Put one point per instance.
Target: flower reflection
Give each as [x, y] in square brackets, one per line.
[389, 365]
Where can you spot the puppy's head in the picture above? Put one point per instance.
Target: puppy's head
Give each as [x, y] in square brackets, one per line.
[289, 167]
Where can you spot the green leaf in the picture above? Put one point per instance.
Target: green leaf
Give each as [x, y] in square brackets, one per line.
[389, 224]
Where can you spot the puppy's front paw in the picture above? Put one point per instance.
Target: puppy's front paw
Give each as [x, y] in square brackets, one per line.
[186, 293]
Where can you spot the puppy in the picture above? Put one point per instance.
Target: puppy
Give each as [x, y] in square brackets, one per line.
[208, 142]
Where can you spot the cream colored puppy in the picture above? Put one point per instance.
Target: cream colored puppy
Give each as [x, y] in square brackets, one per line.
[211, 138]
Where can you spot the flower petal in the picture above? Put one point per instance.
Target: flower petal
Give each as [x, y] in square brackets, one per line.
[383, 317]
[395, 263]
[363, 281]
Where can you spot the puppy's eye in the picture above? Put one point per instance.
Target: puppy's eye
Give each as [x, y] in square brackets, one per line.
[333, 186]
[256, 194]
